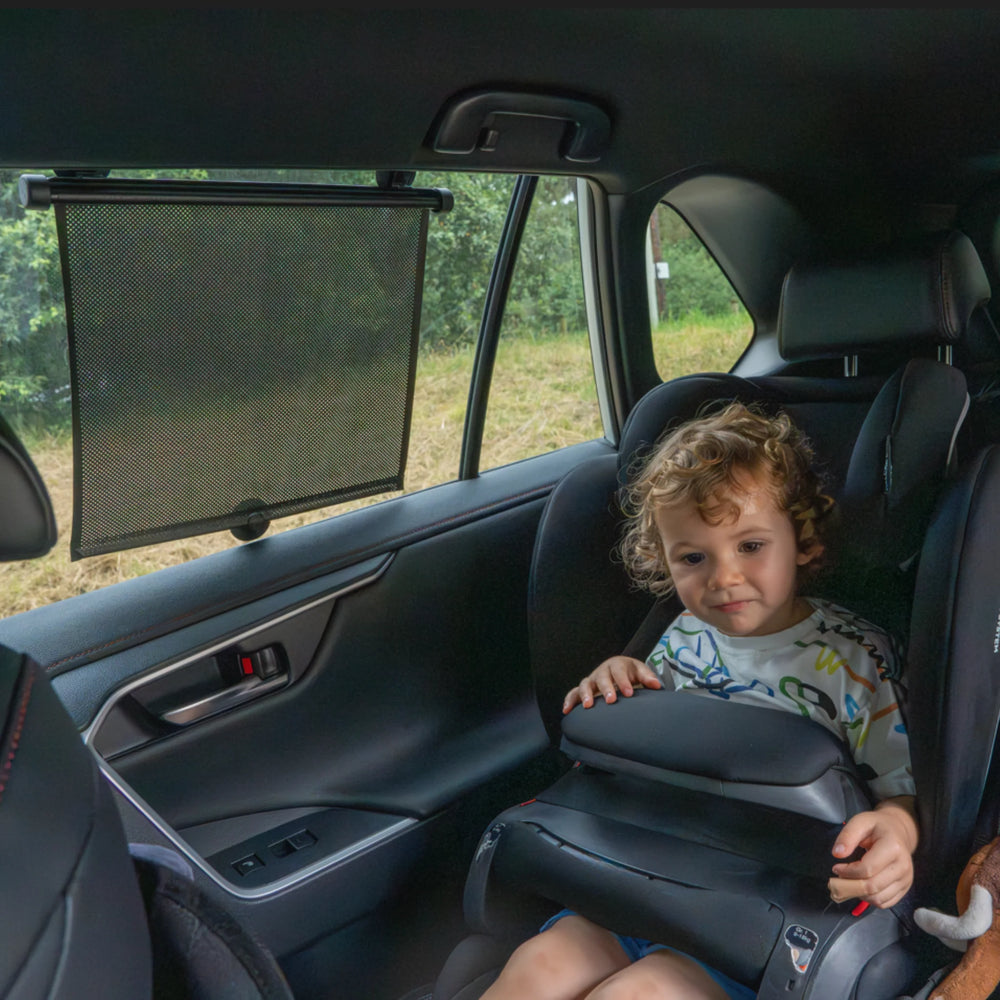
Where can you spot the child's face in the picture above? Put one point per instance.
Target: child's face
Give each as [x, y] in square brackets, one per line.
[739, 575]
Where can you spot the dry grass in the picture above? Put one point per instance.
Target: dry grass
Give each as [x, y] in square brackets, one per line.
[705, 345]
[542, 399]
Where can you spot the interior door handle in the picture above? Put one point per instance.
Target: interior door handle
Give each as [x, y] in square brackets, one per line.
[230, 697]
[213, 684]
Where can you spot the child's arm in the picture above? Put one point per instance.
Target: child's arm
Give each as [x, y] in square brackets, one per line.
[620, 673]
[888, 834]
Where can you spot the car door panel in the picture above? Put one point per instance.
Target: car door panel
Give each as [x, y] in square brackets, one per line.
[402, 717]
[93, 625]
[313, 910]
[389, 713]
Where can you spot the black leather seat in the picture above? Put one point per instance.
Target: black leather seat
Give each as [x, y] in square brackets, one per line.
[663, 840]
[80, 916]
[70, 909]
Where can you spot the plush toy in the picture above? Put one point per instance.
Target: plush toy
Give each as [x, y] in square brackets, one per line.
[976, 930]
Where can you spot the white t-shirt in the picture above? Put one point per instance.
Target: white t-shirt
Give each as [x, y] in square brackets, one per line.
[833, 667]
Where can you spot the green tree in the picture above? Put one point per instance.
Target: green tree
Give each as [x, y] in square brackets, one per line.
[461, 247]
[696, 286]
[34, 369]
[546, 293]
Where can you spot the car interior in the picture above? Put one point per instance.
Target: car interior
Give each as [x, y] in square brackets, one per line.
[329, 760]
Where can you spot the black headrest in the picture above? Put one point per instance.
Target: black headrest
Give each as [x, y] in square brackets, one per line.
[903, 295]
[28, 525]
[672, 402]
[908, 437]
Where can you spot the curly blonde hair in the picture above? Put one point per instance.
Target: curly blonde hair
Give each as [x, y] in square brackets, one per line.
[707, 461]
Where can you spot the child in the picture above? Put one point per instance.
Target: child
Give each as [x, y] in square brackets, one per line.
[728, 513]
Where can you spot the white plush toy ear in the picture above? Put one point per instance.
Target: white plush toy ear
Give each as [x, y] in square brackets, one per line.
[955, 932]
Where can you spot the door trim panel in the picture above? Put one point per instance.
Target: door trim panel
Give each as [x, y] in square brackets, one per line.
[333, 587]
[394, 826]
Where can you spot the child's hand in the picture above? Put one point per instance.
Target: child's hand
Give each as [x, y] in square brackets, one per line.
[888, 835]
[620, 673]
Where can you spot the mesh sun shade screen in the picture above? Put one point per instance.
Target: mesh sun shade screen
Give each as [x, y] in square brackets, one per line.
[236, 362]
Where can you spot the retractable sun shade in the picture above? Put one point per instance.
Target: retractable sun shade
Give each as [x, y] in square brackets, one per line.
[238, 352]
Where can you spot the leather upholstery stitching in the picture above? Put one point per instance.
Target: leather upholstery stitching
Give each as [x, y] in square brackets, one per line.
[7, 766]
[949, 310]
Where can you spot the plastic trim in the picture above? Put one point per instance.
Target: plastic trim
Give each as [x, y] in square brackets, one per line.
[334, 860]
[90, 733]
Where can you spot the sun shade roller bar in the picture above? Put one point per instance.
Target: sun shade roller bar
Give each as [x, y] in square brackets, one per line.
[38, 191]
[238, 352]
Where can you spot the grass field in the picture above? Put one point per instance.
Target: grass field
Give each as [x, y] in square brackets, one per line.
[542, 398]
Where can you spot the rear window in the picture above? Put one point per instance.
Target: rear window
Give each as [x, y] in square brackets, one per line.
[697, 320]
[544, 317]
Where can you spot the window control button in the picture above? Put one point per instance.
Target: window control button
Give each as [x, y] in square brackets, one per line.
[281, 848]
[248, 864]
[301, 839]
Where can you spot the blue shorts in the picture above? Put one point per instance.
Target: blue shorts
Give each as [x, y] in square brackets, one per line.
[636, 948]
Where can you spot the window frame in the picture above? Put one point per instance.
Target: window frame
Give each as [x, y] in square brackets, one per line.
[488, 338]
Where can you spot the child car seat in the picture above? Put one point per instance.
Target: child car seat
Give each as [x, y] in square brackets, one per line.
[668, 825]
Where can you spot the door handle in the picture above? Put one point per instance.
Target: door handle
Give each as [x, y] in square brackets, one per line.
[220, 701]
[213, 684]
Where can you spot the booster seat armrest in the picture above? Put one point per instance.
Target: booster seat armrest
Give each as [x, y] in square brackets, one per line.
[705, 737]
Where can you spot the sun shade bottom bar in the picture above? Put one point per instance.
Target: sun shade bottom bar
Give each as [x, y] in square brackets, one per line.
[249, 519]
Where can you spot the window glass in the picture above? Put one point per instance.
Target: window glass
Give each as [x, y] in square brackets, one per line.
[543, 395]
[461, 248]
[34, 366]
[697, 320]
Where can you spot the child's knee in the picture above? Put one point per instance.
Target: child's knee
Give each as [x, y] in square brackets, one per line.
[572, 951]
[545, 955]
[633, 984]
[664, 975]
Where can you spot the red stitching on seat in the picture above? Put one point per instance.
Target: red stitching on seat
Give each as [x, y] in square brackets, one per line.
[8, 763]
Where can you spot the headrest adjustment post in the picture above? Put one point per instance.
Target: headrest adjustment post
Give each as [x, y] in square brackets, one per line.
[945, 353]
[851, 366]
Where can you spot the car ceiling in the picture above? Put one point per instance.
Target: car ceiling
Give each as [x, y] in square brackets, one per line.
[869, 122]
[904, 99]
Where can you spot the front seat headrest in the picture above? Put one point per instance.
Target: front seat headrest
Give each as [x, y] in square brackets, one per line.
[28, 525]
[901, 296]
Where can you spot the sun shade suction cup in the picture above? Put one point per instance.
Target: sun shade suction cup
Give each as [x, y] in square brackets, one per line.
[238, 352]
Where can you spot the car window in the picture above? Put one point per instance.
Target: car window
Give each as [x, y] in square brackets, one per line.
[544, 338]
[697, 320]
[543, 395]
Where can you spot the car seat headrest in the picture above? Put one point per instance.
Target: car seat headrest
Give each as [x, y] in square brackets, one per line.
[671, 403]
[904, 295]
[908, 437]
[901, 458]
[28, 527]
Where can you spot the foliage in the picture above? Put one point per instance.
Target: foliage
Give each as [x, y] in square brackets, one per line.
[461, 246]
[546, 292]
[34, 365]
[545, 297]
[696, 286]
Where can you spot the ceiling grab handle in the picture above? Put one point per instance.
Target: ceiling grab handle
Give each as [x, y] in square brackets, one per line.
[468, 122]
